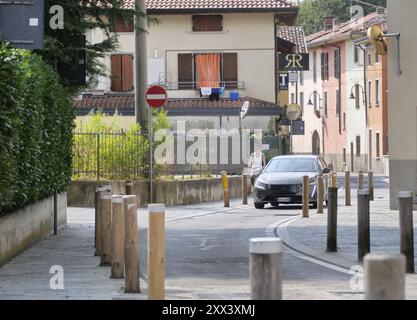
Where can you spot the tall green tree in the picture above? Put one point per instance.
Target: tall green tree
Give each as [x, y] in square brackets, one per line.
[81, 16]
[312, 12]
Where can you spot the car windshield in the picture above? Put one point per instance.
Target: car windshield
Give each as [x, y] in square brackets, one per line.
[292, 165]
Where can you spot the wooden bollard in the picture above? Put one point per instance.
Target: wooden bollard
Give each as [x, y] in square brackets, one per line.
[306, 196]
[225, 183]
[320, 193]
[156, 252]
[371, 185]
[406, 228]
[384, 277]
[348, 201]
[130, 204]
[364, 239]
[244, 189]
[266, 268]
[361, 181]
[97, 219]
[118, 238]
[333, 181]
[332, 220]
[129, 188]
[106, 228]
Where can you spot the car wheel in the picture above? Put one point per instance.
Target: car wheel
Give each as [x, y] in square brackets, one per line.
[275, 204]
[259, 206]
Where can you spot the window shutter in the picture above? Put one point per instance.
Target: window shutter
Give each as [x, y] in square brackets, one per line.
[322, 66]
[214, 23]
[185, 71]
[116, 72]
[230, 70]
[123, 24]
[203, 23]
[127, 73]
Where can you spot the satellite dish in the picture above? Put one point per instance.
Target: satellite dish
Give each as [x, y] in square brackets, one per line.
[379, 42]
[244, 110]
[294, 112]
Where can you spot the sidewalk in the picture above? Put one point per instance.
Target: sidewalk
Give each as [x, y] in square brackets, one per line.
[309, 235]
[27, 276]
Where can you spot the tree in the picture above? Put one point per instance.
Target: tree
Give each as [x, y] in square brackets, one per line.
[312, 12]
[81, 16]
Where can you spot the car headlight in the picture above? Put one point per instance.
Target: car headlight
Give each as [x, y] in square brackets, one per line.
[261, 185]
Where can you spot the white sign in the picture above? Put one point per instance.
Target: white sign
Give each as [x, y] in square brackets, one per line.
[33, 22]
[265, 147]
[293, 77]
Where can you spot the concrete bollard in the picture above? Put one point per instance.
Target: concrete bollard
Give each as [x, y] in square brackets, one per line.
[225, 183]
[156, 252]
[131, 244]
[348, 201]
[306, 196]
[118, 238]
[384, 277]
[129, 188]
[320, 193]
[106, 228]
[371, 185]
[364, 240]
[244, 189]
[332, 220]
[361, 181]
[406, 228]
[97, 218]
[266, 268]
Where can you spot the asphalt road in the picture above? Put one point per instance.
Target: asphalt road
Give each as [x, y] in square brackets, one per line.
[207, 258]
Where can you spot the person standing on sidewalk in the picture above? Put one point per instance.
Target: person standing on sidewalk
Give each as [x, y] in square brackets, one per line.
[257, 163]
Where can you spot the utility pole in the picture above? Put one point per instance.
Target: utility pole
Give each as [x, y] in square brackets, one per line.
[141, 63]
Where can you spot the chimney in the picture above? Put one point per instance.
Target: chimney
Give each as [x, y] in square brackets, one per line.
[328, 23]
[336, 24]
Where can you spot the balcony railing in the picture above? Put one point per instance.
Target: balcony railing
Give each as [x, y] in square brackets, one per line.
[228, 85]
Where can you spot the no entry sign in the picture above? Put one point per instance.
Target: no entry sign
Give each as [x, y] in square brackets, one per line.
[156, 96]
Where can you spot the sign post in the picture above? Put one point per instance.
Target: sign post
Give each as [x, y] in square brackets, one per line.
[294, 112]
[156, 97]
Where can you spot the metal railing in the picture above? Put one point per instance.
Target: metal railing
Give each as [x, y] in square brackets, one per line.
[228, 85]
[109, 155]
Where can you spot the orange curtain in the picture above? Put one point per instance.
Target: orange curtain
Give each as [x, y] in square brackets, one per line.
[208, 69]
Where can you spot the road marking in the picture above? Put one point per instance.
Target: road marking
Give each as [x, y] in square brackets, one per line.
[271, 231]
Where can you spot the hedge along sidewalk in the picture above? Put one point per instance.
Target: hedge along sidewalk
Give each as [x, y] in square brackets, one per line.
[37, 119]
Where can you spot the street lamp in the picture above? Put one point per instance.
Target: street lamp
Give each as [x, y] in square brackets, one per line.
[322, 115]
[352, 95]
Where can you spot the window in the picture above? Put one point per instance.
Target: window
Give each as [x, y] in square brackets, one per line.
[315, 101]
[369, 59]
[302, 100]
[377, 92]
[376, 57]
[207, 23]
[325, 103]
[315, 66]
[356, 54]
[325, 66]
[358, 146]
[344, 155]
[292, 97]
[337, 102]
[122, 72]
[370, 93]
[378, 143]
[214, 69]
[124, 24]
[344, 121]
[357, 98]
[337, 63]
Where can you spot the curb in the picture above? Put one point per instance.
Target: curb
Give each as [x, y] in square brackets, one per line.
[281, 231]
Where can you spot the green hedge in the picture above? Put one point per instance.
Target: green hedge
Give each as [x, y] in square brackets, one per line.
[36, 124]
